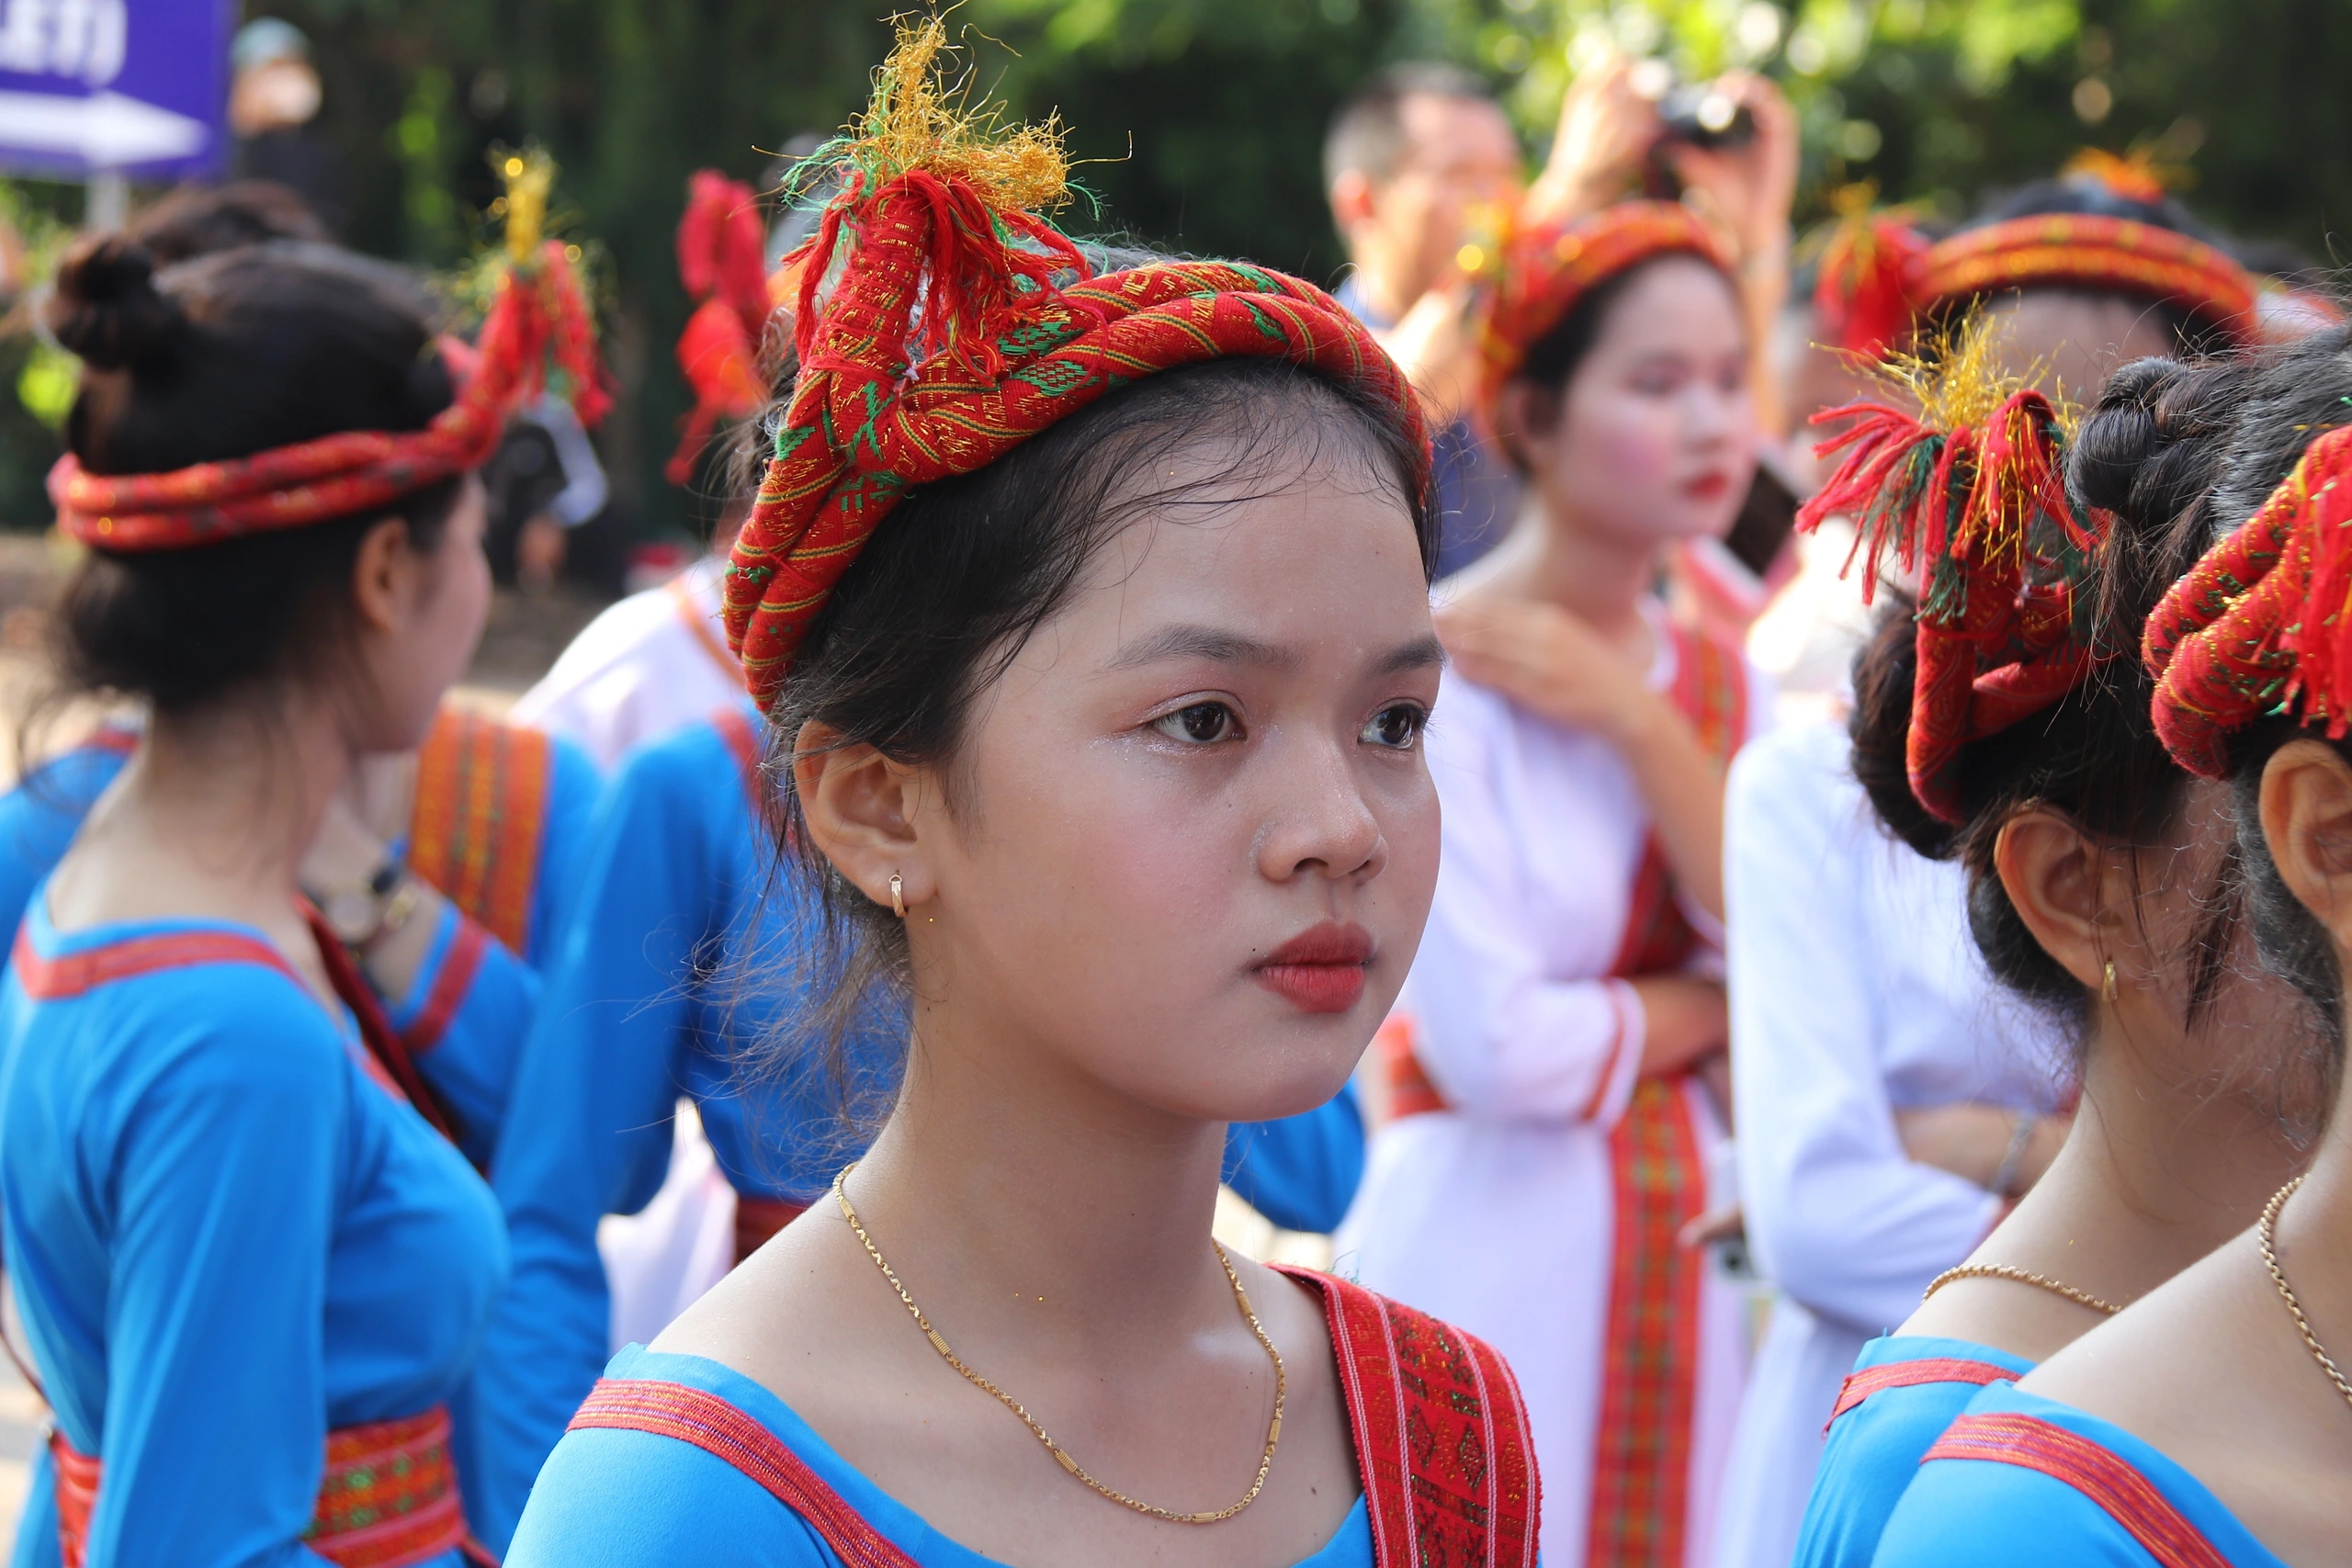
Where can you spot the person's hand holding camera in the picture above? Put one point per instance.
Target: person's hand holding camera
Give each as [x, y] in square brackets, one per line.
[1608, 125]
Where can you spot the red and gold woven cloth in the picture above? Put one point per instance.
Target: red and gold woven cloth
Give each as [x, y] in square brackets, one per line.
[538, 319]
[2263, 623]
[388, 1498]
[1976, 512]
[955, 323]
[1547, 269]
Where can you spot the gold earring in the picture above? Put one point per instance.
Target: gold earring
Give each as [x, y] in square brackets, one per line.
[2111, 991]
[898, 907]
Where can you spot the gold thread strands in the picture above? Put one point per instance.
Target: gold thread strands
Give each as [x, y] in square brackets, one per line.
[2021, 1277]
[1241, 1298]
[2266, 1234]
[922, 118]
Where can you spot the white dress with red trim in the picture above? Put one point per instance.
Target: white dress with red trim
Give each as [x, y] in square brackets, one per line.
[252, 1275]
[676, 1459]
[1530, 1185]
[2023, 1481]
[653, 662]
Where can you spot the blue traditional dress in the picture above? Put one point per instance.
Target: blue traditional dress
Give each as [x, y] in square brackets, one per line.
[252, 1275]
[1903, 1391]
[678, 886]
[2024, 1481]
[676, 1459]
[497, 824]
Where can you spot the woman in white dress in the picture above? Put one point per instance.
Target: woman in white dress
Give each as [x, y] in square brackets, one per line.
[1552, 1127]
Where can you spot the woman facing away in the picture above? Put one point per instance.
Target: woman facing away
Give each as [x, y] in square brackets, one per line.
[2210, 1424]
[1551, 1133]
[2100, 889]
[252, 1265]
[1872, 1049]
[1100, 640]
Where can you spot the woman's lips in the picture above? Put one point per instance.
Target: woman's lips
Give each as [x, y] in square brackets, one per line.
[1319, 970]
[1708, 486]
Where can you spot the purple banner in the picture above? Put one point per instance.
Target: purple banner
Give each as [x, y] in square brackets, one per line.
[134, 86]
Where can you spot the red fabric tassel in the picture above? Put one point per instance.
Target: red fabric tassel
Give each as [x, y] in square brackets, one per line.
[721, 247]
[1867, 294]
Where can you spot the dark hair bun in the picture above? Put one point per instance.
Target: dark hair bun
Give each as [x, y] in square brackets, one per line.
[106, 309]
[2121, 435]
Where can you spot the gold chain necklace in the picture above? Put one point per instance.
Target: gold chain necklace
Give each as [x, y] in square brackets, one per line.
[2266, 1234]
[1273, 1427]
[2003, 1272]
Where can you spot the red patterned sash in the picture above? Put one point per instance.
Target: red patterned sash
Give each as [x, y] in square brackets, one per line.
[1441, 1436]
[1640, 1506]
[388, 1498]
[474, 832]
[1860, 1385]
[2129, 1498]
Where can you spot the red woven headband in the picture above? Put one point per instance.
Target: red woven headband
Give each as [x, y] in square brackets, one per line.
[1547, 269]
[954, 333]
[1979, 512]
[1878, 275]
[2262, 625]
[538, 316]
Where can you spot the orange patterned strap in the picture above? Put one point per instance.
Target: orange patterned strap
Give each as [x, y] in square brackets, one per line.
[1860, 1385]
[2099, 1473]
[481, 809]
[720, 1429]
[388, 1498]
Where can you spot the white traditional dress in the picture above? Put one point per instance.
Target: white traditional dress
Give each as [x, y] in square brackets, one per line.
[648, 665]
[1531, 1185]
[1856, 991]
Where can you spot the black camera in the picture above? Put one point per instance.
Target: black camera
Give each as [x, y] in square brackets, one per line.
[1702, 114]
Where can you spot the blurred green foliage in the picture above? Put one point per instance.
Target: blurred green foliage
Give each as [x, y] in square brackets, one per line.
[1202, 119]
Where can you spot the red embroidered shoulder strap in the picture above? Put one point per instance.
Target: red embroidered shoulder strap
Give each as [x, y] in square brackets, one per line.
[1860, 1385]
[2130, 1498]
[1442, 1437]
[719, 1428]
[74, 973]
[474, 830]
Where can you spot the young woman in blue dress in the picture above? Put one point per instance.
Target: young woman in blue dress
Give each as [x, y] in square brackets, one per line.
[251, 1262]
[2211, 1423]
[2099, 889]
[1092, 611]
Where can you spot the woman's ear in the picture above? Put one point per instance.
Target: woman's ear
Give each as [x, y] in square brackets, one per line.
[1526, 418]
[383, 574]
[2055, 876]
[862, 809]
[2307, 822]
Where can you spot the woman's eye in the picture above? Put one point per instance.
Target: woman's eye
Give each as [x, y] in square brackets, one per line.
[1201, 723]
[1396, 727]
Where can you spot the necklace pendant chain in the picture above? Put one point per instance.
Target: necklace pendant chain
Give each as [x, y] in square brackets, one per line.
[2266, 1235]
[1037, 1429]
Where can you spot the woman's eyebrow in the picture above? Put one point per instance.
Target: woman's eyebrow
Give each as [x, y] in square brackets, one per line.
[1203, 642]
[1422, 653]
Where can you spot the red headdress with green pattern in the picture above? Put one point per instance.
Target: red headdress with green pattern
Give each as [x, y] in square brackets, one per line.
[1880, 277]
[2263, 623]
[721, 243]
[941, 323]
[1547, 269]
[1969, 499]
[538, 334]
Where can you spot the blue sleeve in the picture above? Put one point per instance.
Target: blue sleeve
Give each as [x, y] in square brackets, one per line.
[40, 818]
[37, 1545]
[1302, 1172]
[588, 1131]
[464, 1020]
[616, 1499]
[1982, 1514]
[574, 792]
[1872, 1455]
[220, 1196]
